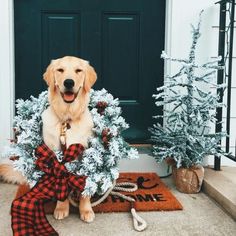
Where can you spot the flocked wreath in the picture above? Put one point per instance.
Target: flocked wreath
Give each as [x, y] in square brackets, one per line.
[100, 159]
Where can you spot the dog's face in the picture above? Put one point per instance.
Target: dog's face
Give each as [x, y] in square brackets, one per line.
[70, 77]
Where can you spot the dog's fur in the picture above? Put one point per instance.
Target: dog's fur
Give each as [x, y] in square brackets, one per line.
[66, 105]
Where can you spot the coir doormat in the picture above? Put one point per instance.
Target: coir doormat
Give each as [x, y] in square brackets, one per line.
[152, 195]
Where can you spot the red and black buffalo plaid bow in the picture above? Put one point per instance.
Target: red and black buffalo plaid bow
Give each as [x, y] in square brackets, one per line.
[28, 217]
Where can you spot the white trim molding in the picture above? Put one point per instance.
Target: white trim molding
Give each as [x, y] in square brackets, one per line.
[7, 74]
[168, 33]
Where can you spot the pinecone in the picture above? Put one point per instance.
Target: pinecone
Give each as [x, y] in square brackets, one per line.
[101, 106]
[106, 137]
[14, 158]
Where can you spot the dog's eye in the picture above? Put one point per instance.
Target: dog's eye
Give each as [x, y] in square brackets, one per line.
[78, 70]
[60, 70]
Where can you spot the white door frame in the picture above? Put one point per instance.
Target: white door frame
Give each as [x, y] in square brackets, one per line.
[7, 71]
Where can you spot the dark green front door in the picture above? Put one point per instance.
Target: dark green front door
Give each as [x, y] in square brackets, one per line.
[122, 39]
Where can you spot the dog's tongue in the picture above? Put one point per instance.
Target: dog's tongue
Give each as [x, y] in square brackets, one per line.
[69, 96]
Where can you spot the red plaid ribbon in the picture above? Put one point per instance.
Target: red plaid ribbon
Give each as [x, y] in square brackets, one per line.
[28, 217]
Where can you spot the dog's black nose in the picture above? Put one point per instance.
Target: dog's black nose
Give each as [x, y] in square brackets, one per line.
[69, 83]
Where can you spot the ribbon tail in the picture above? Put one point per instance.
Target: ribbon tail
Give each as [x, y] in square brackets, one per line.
[28, 217]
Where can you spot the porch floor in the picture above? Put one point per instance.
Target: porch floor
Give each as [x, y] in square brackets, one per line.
[200, 216]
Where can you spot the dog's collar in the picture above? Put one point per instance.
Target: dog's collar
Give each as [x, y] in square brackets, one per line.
[64, 127]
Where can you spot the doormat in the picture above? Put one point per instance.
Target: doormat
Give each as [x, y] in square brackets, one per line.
[152, 195]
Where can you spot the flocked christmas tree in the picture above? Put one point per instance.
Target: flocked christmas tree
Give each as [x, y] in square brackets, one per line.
[189, 110]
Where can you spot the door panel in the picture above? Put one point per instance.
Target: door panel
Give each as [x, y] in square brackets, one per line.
[121, 57]
[59, 29]
[122, 39]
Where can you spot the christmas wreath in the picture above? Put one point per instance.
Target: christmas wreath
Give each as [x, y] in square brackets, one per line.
[100, 159]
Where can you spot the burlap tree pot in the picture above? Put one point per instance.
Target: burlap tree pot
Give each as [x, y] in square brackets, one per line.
[188, 180]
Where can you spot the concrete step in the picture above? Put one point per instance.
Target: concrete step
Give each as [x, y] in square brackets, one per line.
[221, 186]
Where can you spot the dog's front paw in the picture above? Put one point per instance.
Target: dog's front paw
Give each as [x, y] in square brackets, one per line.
[60, 214]
[62, 210]
[87, 215]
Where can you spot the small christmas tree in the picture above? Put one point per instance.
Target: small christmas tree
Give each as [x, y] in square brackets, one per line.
[189, 111]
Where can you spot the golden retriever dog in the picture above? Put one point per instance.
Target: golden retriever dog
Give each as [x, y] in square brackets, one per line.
[69, 80]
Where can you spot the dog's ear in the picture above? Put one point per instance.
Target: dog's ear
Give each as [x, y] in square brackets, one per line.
[90, 78]
[48, 76]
